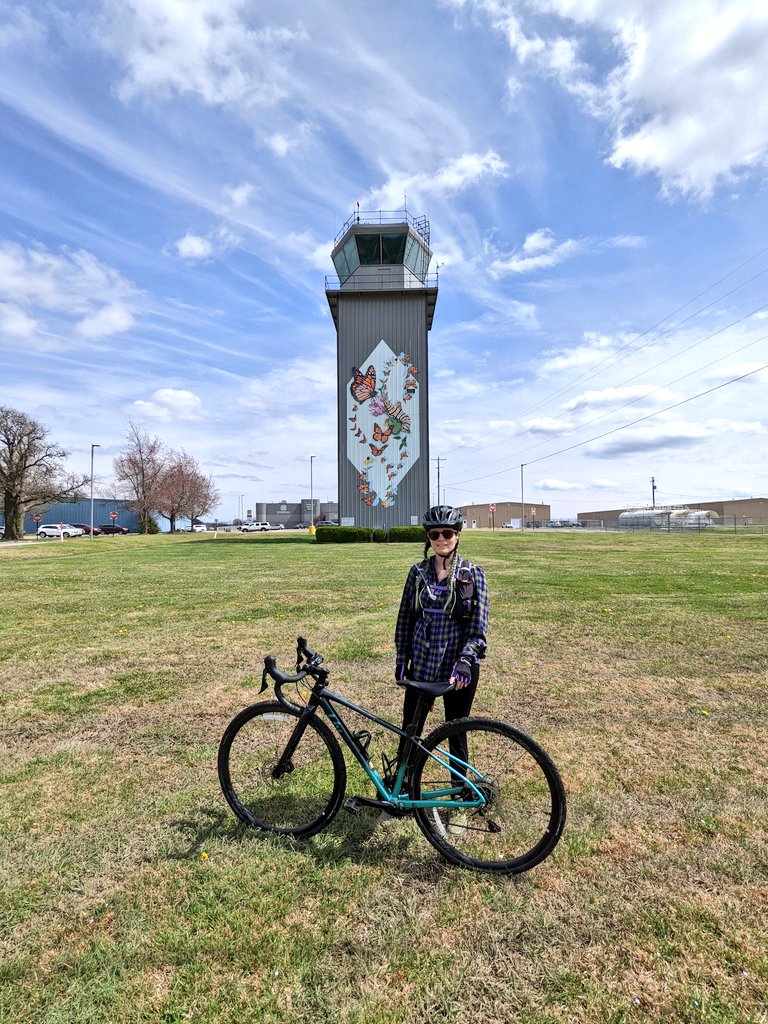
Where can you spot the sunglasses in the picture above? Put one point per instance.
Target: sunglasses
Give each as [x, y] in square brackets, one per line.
[445, 534]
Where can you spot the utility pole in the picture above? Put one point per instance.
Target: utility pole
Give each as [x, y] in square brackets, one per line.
[522, 501]
[438, 460]
[653, 491]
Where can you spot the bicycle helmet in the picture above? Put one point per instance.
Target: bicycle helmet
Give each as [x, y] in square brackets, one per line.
[443, 515]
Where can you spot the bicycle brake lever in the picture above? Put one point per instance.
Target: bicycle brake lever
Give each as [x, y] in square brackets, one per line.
[264, 683]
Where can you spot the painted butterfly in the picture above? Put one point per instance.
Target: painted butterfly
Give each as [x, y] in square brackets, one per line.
[363, 387]
[379, 434]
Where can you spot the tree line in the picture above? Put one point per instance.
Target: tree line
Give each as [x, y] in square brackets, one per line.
[151, 478]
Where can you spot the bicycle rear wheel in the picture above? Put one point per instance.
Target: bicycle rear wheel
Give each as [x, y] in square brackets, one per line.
[295, 796]
[524, 815]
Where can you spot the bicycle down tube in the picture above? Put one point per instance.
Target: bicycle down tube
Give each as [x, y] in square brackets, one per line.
[325, 699]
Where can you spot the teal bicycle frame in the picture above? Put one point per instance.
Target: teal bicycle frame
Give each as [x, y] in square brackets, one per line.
[325, 699]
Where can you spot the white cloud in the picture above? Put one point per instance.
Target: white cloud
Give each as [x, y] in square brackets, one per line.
[540, 250]
[194, 247]
[758, 373]
[654, 437]
[207, 49]
[608, 398]
[556, 485]
[19, 28]
[675, 82]
[15, 323]
[546, 426]
[596, 348]
[203, 247]
[170, 404]
[107, 321]
[453, 176]
[65, 290]
[282, 143]
[238, 195]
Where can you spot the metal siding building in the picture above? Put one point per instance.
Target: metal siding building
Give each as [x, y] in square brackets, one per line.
[382, 312]
[80, 512]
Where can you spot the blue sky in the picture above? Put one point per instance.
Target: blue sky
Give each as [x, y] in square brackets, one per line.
[595, 176]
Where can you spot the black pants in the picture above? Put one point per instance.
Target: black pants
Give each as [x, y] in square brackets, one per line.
[458, 704]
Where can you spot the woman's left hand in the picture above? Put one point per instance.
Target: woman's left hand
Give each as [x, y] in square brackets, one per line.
[462, 674]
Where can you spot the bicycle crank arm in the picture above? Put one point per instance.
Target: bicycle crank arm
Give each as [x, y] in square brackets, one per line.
[353, 804]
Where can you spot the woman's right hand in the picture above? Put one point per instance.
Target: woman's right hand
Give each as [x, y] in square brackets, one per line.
[401, 672]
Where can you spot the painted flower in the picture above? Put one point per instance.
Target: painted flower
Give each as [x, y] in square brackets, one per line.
[376, 406]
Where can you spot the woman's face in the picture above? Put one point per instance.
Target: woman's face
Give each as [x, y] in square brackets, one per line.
[442, 540]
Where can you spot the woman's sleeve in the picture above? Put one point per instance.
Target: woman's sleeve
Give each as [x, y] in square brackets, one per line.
[405, 621]
[475, 639]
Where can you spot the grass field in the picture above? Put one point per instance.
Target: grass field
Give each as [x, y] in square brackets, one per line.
[130, 893]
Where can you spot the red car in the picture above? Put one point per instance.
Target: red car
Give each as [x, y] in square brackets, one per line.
[87, 529]
[112, 528]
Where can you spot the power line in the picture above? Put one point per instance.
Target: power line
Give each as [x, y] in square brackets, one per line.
[640, 398]
[615, 430]
[587, 375]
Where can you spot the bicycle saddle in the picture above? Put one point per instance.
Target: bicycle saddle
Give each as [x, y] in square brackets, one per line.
[427, 688]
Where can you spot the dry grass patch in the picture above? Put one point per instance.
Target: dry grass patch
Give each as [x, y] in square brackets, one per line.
[639, 662]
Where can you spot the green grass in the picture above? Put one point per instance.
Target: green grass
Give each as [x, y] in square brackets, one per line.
[639, 661]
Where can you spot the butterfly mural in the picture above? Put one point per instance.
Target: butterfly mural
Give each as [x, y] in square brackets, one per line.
[375, 411]
[363, 387]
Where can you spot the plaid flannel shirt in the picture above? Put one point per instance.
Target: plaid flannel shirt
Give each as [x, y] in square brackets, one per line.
[428, 640]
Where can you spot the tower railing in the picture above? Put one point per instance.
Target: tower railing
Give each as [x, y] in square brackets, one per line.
[419, 224]
[379, 282]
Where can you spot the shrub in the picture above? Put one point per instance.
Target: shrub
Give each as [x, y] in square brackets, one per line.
[343, 534]
[406, 535]
[379, 537]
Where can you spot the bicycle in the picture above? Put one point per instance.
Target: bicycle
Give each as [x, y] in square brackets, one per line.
[500, 808]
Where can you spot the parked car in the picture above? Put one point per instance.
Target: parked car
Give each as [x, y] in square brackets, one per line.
[199, 528]
[277, 526]
[65, 530]
[255, 527]
[507, 526]
[86, 529]
[113, 528]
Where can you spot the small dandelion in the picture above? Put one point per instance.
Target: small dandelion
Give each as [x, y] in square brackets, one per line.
[607, 609]
[704, 711]
[203, 856]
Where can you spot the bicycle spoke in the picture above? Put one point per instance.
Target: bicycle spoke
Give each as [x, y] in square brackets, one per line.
[295, 794]
[524, 811]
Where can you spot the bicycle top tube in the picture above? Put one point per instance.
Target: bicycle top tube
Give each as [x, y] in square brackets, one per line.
[308, 664]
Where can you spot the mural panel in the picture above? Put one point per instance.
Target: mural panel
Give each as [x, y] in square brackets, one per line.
[383, 419]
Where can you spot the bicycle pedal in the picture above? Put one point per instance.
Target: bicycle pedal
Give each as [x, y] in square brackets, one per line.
[352, 805]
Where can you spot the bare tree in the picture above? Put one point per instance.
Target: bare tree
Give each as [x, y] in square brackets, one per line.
[184, 490]
[31, 474]
[139, 470]
[203, 496]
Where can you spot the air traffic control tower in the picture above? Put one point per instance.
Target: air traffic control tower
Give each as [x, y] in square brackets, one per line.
[382, 304]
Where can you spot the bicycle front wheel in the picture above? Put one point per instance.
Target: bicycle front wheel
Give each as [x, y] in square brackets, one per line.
[524, 814]
[294, 793]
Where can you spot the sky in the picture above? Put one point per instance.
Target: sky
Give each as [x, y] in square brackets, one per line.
[594, 173]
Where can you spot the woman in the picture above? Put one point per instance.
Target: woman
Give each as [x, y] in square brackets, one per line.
[441, 626]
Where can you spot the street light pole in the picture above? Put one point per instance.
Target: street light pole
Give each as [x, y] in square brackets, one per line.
[311, 491]
[92, 447]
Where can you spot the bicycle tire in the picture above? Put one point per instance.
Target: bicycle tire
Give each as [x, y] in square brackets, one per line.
[304, 798]
[525, 815]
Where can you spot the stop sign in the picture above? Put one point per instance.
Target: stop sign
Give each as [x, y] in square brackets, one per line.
[37, 517]
[491, 508]
[113, 516]
[533, 512]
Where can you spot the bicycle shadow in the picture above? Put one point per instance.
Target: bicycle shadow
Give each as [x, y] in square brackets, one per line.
[361, 838]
